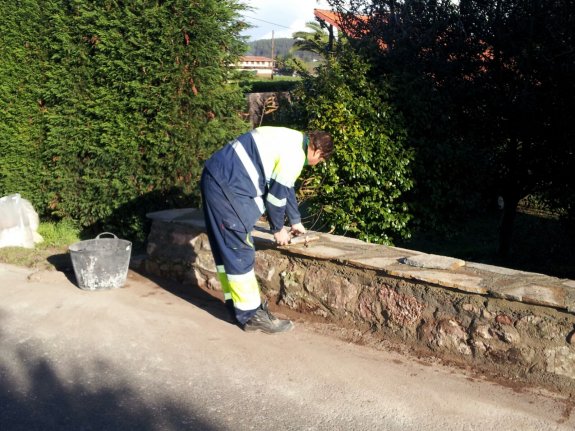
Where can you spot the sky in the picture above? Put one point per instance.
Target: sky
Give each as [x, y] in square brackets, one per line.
[283, 17]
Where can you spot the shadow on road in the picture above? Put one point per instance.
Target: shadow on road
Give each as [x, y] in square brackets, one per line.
[211, 302]
[33, 396]
[62, 263]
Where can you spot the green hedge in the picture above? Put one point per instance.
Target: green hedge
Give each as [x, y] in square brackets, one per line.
[21, 121]
[360, 191]
[112, 107]
[269, 86]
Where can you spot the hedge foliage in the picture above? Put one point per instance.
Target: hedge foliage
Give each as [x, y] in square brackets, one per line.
[269, 85]
[21, 122]
[359, 192]
[109, 108]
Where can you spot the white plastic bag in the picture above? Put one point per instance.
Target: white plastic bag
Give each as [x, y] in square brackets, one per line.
[18, 222]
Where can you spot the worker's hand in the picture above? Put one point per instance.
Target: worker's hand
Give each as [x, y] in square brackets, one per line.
[297, 229]
[282, 237]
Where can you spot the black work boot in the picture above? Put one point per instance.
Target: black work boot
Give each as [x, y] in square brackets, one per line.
[266, 322]
[231, 311]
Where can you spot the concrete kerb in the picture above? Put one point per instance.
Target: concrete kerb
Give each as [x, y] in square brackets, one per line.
[509, 317]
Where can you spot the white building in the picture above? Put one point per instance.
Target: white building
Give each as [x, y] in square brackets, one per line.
[262, 65]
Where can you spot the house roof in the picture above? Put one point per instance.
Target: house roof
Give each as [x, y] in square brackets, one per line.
[328, 16]
[334, 18]
[355, 23]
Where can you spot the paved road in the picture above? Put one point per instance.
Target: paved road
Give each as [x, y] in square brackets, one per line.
[149, 357]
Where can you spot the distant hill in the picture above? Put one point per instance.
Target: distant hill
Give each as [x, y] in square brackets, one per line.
[263, 47]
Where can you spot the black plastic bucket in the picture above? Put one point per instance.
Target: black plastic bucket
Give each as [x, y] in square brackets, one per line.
[101, 263]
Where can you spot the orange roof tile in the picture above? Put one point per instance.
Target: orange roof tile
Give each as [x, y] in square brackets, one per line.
[333, 18]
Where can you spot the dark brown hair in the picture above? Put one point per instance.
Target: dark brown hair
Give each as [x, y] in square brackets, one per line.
[320, 140]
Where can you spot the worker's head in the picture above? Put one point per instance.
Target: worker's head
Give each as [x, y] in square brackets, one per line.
[320, 147]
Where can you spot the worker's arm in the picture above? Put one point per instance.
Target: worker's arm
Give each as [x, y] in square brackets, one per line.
[293, 214]
[292, 209]
[276, 202]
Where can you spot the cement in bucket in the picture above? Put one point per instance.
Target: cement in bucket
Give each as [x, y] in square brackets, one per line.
[101, 263]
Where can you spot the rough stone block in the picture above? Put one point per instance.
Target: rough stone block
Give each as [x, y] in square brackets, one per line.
[374, 262]
[494, 269]
[320, 251]
[205, 261]
[464, 282]
[400, 309]
[535, 294]
[445, 335]
[432, 261]
[561, 360]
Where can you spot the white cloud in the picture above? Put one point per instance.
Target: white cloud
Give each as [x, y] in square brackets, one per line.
[283, 17]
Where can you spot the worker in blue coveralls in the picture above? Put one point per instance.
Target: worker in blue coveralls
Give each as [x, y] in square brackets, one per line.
[254, 173]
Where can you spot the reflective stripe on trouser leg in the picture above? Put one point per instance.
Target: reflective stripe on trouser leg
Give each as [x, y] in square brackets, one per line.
[245, 291]
[224, 282]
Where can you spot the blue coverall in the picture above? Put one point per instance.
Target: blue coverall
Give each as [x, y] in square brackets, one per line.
[252, 174]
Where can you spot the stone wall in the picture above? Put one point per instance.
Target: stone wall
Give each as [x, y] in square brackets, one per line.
[516, 324]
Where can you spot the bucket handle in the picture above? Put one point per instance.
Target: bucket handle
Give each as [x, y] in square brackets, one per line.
[106, 233]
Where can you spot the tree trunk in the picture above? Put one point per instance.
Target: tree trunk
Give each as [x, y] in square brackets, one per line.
[506, 228]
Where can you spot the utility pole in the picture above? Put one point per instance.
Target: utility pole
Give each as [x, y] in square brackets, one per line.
[273, 43]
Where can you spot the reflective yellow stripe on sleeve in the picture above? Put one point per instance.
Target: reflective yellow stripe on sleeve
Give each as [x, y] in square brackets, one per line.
[275, 201]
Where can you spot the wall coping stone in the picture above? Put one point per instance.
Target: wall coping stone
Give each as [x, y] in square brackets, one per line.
[446, 272]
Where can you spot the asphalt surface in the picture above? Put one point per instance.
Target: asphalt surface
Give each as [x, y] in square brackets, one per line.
[158, 356]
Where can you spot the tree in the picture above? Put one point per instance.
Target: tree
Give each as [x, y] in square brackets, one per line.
[526, 90]
[485, 83]
[134, 96]
[21, 120]
[359, 191]
[286, 64]
[316, 40]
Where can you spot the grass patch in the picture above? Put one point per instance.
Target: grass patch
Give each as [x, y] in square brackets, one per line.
[60, 234]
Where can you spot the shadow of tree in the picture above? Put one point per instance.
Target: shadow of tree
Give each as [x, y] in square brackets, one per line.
[209, 301]
[33, 396]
